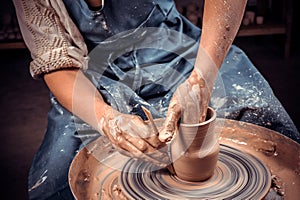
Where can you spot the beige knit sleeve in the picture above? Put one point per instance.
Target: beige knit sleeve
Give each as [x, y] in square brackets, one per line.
[51, 36]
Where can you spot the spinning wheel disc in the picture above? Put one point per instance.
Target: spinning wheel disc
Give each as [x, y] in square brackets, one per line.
[95, 172]
[238, 175]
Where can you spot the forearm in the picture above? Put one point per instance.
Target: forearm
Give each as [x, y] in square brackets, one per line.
[221, 22]
[77, 94]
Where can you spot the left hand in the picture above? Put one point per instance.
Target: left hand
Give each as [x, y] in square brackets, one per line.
[133, 137]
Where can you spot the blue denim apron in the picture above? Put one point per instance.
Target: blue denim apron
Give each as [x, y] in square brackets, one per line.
[140, 51]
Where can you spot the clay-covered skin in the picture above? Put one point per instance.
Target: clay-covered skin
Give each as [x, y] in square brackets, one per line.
[221, 21]
[132, 136]
[188, 105]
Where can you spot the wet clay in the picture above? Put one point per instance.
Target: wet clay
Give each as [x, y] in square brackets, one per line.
[237, 175]
[95, 172]
[191, 167]
[195, 149]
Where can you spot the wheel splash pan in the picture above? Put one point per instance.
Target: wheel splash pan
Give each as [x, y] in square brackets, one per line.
[96, 171]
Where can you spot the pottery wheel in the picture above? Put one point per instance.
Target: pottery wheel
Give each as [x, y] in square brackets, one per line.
[237, 175]
[250, 158]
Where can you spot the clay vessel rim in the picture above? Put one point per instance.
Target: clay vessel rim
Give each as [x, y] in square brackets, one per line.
[211, 119]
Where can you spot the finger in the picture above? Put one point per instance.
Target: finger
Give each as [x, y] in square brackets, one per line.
[136, 153]
[142, 142]
[145, 145]
[204, 103]
[139, 143]
[154, 141]
[190, 105]
[170, 124]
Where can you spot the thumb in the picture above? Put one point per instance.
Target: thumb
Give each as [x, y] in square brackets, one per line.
[171, 122]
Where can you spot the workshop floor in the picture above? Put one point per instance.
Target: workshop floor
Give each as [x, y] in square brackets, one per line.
[24, 105]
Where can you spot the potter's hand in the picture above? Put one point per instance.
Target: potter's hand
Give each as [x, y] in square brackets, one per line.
[189, 103]
[132, 137]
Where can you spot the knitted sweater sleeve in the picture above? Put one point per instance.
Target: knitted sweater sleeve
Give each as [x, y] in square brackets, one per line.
[51, 36]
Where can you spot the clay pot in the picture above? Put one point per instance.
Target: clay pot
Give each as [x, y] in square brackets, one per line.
[250, 15]
[94, 4]
[195, 148]
[259, 20]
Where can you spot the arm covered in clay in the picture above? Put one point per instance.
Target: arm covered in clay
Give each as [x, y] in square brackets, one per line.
[60, 57]
[221, 21]
[129, 133]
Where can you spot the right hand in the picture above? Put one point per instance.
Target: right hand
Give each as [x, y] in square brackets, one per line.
[133, 137]
[188, 105]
